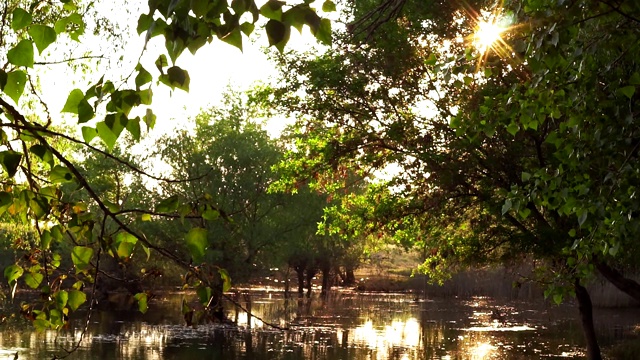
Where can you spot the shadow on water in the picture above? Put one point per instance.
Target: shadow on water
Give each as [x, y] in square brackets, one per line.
[345, 325]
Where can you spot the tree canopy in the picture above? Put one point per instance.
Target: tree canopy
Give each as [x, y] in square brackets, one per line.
[527, 149]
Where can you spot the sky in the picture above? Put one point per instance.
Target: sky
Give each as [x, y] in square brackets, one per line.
[214, 68]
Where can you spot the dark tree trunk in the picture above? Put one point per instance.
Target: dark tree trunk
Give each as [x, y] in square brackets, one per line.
[310, 274]
[300, 273]
[351, 277]
[623, 284]
[586, 317]
[326, 274]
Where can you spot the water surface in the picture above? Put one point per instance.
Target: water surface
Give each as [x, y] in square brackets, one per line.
[345, 325]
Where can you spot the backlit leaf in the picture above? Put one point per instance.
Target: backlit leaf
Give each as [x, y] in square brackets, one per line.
[81, 257]
[76, 299]
[13, 273]
[20, 18]
[142, 299]
[60, 174]
[33, 280]
[197, 243]
[21, 54]
[16, 81]
[10, 161]
[42, 36]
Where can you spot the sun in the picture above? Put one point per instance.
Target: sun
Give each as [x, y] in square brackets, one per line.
[487, 33]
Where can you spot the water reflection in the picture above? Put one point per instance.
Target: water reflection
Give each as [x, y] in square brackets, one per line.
[343, 326]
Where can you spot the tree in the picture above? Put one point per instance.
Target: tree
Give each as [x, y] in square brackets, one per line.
[528, 150]
[37, 165]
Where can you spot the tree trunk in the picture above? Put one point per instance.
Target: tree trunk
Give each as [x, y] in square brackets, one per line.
[300, 273]
[326, 273]
[310, 274]
[623, 284]
[351, 277]
[586, 317]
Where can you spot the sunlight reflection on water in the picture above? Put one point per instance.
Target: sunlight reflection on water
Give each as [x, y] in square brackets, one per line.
[345, 326]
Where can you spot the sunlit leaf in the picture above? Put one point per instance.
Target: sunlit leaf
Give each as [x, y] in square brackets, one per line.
[33, 280]
[143, 77]
[81, 257]
[142, 299]
[197, 243]
[61, 298]
[88, 133]
[42, 36]
[226, 280]
[13, 273]
[60, 174]
[272, 9]
[76, 299]
[16, 80]
[21, 54]
[20, 18]
[328, 6]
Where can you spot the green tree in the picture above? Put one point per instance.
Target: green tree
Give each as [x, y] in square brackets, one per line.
[528, 150]
[84, 229]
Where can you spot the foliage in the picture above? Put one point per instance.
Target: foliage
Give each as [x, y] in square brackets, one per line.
[76, 223]
[526, 151]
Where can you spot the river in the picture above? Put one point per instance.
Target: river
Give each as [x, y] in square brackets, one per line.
[345, 325]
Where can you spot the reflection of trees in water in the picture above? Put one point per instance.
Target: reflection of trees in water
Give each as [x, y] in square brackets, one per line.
[342, 326]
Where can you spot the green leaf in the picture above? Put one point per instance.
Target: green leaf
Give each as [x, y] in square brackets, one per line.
[635, 79]
[582, 217]
[210, 214]
[76, 299]
[167, 205]
[88, 133]
[13, 273]
[81, 257]
[133, 126]
[627, 91]
[20, 19]
[324, 32]
[149, 119]
[10, 161]
[77, 104]
[557, 298]
[162, 63]
[272, 9]
[143, 77]
[513, 128]
[197, 243]
[204, 294]
[60, 174]
[142, 299]
[233, 38]
[33, 280]
[226, 280]
[16, 81]
[43, 153]
[507, 206]
[125, 243]
[73, 100]
[6, 200]
[328, 6]
[247, 28]
[278, 34]
[176, 78]
[145, 217]
[61, 298]
[43, 36]
[21, 54]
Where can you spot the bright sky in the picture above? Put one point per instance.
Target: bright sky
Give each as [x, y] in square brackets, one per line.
[215, 67]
